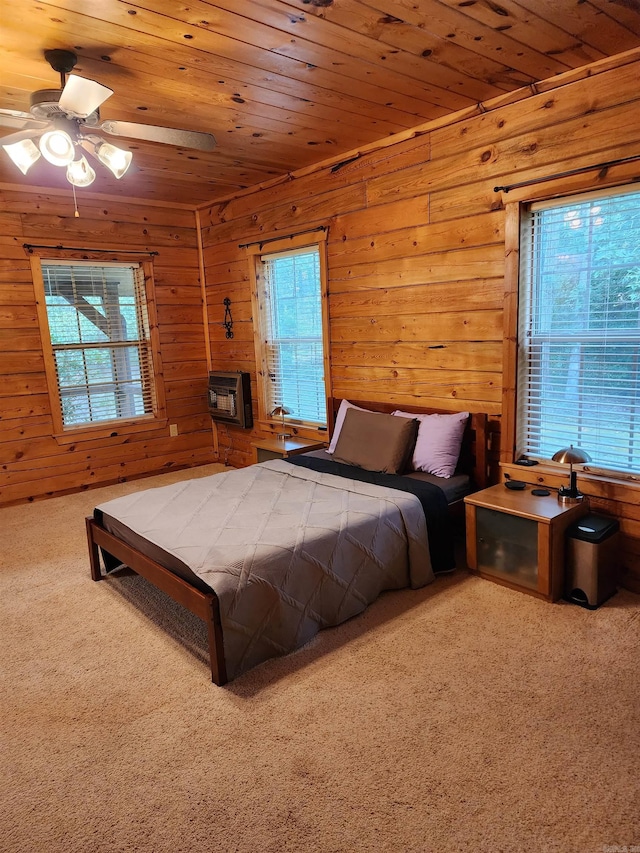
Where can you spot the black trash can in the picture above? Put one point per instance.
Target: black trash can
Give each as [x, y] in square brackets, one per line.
[591, 560]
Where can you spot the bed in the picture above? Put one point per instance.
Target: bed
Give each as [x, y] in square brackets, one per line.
[269, 554]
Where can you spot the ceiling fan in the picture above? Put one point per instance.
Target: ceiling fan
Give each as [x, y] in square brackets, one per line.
[66, 122]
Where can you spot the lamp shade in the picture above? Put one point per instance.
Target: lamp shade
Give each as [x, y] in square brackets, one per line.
[80, 173]
[571, 455]
[114, 158]
[280, 412]
[24, 154]
[57, 147]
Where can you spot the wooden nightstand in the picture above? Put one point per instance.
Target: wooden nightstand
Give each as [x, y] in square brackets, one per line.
[517, 538]
[278, 448]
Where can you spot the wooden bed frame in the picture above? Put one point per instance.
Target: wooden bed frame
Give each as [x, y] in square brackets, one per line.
[115, 553]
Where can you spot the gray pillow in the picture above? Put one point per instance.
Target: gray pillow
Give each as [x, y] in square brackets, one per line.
[376, 442]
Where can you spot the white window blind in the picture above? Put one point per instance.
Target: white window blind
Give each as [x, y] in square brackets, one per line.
[99, 333]
[579, 329]
[294, 350]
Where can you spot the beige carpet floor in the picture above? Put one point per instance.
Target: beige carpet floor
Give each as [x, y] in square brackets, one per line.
[460, 717]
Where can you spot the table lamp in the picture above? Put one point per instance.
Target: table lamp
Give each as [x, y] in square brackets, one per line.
[281, 411]
[574, 456]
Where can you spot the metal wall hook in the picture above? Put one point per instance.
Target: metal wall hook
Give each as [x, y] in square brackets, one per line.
[228, 319]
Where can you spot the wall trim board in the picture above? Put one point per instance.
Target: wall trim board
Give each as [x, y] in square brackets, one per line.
[205, 322]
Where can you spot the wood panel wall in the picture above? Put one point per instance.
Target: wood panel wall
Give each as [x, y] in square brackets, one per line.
[416, 247]
[32, 463]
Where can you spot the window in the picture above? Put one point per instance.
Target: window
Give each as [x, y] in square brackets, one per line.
[579, 329]
[292, 354]
[101, 366]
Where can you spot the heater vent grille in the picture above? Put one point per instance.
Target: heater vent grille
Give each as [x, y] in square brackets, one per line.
[229, 396]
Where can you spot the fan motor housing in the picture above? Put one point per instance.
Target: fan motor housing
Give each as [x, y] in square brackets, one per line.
[44, 105]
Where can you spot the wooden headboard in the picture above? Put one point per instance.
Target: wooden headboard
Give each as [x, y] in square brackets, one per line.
[474, 451]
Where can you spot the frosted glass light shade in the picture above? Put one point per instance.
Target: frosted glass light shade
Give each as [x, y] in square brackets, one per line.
[114, 158]
[57, 147]
[80, 173]
[24, 154]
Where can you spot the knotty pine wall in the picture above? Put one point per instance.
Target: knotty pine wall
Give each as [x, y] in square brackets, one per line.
[416, 248]
[32, 463]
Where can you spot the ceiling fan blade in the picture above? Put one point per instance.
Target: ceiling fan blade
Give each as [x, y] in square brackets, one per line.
[26, 133]
[10, 121]
[80, 97]
[15, 114]
[15, 118]
[167, 135]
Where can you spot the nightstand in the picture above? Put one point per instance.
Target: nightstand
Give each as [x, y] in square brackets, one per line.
[517, 538]
[278, 448]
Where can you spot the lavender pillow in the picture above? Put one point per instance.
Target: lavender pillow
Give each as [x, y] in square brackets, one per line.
[342, 411]
[439, 441]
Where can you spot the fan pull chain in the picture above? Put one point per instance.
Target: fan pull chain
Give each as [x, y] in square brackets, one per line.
[76, 212]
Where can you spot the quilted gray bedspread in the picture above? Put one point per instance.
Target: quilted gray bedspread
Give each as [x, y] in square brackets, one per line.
[287, 550]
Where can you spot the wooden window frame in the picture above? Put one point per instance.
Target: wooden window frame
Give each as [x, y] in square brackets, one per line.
[119, 426]
[316, 240]
[510, 337]
[622, 486]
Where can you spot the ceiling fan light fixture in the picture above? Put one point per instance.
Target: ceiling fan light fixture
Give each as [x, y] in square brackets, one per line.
[57, 147]
[114, 158]
[80, 173]
[60, 121]
[81, 97]
[24, 154]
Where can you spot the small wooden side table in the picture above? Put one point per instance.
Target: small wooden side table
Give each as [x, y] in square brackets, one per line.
[517, 538]
[281, 448]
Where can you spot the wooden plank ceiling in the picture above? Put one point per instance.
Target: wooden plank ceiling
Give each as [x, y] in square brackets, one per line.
[286, 83]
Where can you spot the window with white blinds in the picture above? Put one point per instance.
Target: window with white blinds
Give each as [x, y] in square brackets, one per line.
[99, 331]
[293, 348]
[579, 329]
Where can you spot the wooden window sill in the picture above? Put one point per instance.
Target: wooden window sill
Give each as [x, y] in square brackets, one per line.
[594, 485]
[297, 430]
[109, 430]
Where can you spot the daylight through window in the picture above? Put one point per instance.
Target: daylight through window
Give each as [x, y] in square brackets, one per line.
[579, 329]
[99, 334]
[293, 351]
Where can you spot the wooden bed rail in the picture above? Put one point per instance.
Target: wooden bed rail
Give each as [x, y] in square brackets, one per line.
[202, 604]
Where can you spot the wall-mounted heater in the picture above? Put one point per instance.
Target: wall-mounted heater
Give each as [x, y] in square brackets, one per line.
[230, 399]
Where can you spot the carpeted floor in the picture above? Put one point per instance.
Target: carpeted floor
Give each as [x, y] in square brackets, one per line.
[461, 717]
